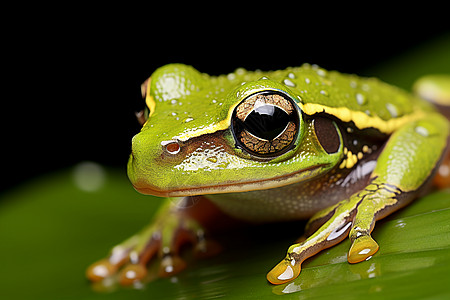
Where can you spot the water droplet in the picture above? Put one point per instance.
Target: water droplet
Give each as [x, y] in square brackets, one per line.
[365, 87]
[361, 99]
[173, 101]
[307, 80]
[173, 113]
[189, 119]
[422, 131]
[240, 71]
[291, 75]
[323, 92]
[392, 109]
[321, 72]
[288, 83]
[231, 76]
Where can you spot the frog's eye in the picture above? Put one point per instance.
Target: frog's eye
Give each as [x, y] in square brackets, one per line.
[266, 124]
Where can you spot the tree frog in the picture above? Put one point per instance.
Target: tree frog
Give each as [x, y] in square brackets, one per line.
[304, 142]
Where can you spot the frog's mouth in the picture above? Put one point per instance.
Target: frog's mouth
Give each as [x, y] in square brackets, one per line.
[234, 187]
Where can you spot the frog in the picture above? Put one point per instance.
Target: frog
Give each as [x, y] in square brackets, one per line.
[264, 147]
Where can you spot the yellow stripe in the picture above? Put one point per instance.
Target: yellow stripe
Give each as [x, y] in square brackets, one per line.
[222, 125]
[361, 119]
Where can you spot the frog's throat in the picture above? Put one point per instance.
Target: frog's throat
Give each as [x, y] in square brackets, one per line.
[235, 187]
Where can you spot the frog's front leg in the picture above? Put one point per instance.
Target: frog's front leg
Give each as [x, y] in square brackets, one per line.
[404, 166]
[177, 222]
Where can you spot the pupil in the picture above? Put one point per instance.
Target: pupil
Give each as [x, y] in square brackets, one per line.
[266, 121]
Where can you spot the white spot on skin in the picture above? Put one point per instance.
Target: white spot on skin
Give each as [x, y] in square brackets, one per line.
[321, 72]
[392, 109]
[365, 87]
[360, 99]
[240, 71]
[288, 83]
[422, 131]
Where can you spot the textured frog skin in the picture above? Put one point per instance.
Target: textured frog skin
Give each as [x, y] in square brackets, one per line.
[356, 149]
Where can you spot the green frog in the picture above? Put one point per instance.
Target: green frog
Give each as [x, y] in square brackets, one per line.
[304, 142]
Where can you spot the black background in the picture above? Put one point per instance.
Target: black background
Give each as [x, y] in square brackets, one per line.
[74, 82]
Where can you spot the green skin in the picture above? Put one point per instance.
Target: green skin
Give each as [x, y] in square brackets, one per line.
[187, 148]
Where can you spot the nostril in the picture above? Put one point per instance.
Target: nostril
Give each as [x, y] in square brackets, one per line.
[172, 147]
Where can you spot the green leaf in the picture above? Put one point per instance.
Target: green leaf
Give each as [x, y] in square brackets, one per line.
[51, 230]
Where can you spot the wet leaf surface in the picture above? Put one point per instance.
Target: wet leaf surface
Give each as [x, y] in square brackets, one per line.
[51, 230]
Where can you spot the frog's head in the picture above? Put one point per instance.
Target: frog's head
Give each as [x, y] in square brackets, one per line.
[234, 133]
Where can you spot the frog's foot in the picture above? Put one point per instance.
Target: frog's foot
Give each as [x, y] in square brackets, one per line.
[337, 224]
[128, 262]
[354, 217]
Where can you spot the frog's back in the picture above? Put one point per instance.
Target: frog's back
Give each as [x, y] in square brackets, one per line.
[368, 102]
